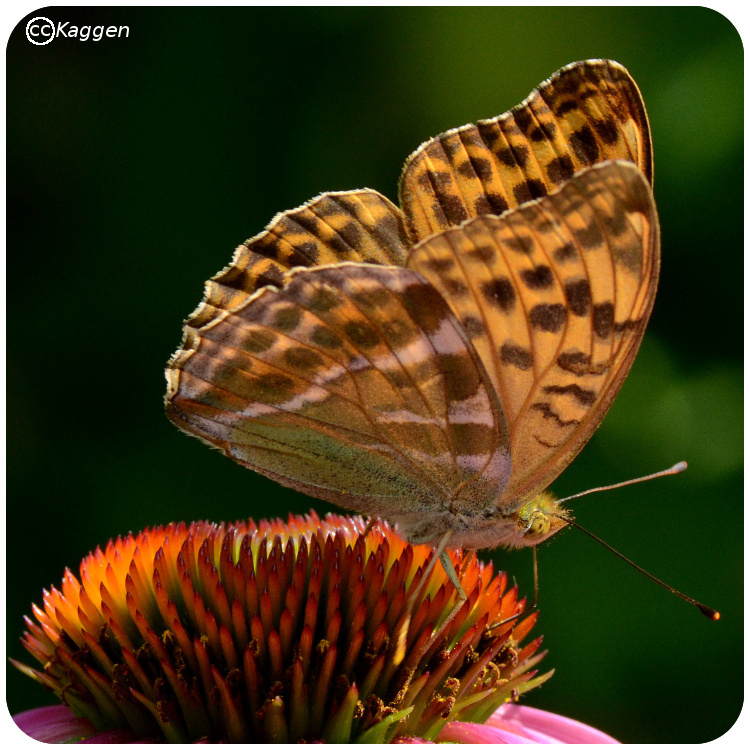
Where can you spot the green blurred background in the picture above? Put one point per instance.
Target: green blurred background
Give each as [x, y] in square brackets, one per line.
[136, 165]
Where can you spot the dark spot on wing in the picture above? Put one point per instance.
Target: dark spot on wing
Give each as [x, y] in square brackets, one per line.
[584, 396]
[529, 189]
[590, 237]
[302, 358]
[454, 209]
[565, 107]
[513, 156]
[325, 337]
[500, 293]
[523, 118]
[560, 169]
[627, 325]
[322, 299]
[271, 388]
[583, 142]
[460, 376]
[440, 265]
[482, 167]
[498, 203]
[456, 287]
[473, 326]
[575, 361]
[472, 439]
[259, 340]
[520, 244]
[308, 254]
[578, 296]
[617, 223]
[607, 130]
[482, 205]
[361, 334]
[272, 276]
[550, 318]
[351, 234]
[287, 318]
[371, 298]
[425, 305]
[484, 253]
[604, 319]
[539, 277]
[565, 252]
[512, 354]
[549, 413]
[399, 333]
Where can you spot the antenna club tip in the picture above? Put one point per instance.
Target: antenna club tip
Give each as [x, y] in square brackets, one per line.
[712, 614]
[679, 467]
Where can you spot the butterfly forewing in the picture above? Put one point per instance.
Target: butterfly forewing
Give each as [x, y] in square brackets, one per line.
[352, 383]
[555, 296]
[586, 113]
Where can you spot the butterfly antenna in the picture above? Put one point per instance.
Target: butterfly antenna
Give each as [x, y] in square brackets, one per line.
[676, 469]
[712, 614]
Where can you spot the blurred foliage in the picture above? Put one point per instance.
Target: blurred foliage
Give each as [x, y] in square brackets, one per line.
[136, 165]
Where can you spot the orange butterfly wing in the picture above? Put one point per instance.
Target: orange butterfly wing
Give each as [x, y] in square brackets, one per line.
[555, 296]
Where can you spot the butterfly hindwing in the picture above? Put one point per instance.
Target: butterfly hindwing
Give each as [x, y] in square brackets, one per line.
[586, 113]
[352, 383]
[555, 296]
[360, 226]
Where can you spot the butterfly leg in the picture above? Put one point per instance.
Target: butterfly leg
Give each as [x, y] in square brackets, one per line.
[450, 571]
[442, 555]
[462, 596]
[465, 560]
[371, 521]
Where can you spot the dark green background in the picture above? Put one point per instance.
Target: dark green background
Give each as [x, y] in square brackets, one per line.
[136, 165]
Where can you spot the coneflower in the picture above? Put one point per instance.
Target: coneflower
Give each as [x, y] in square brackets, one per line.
[310, 630]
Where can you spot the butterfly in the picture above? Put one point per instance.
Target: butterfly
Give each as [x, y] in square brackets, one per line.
[439, 364]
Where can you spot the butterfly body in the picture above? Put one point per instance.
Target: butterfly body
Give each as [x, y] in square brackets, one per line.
[440, 385]
[494, 526]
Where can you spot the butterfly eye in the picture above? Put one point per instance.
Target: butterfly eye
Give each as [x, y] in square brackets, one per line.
[539, 526]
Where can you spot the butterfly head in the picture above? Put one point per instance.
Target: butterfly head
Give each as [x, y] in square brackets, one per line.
[539, 519]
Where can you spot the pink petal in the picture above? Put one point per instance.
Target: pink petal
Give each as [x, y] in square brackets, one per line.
[411, 741]
[53, 724]
[556, 728]
[115, 737]
[58, 724]
[466, 733]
